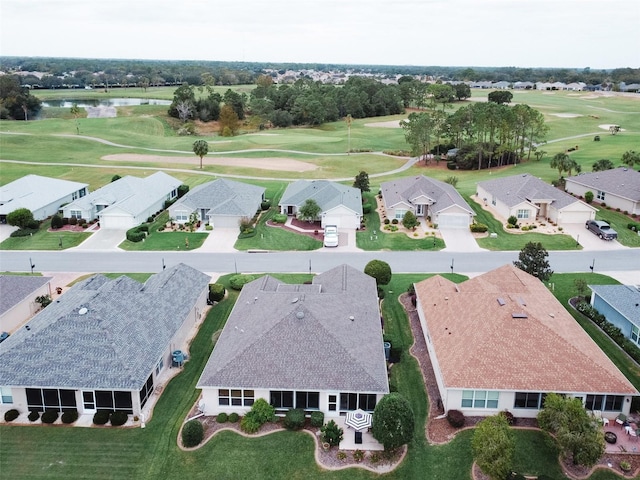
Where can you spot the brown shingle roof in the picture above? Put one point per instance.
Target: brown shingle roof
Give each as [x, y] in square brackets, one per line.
[480, 345]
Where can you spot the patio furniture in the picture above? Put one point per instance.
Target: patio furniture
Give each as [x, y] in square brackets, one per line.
[605, 422]
[628, 429]
[634, 434]
[610, 437]
[358, 438]
[620, 419]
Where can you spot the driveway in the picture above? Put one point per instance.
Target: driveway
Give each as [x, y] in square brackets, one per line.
[346, 242]
[220, 240]
[103, 239]
[5, 231]
[588, 240]
[459, 240]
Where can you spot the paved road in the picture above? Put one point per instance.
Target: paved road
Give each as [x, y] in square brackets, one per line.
[627, 260]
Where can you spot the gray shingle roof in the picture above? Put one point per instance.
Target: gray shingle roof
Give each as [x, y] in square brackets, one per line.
[223, 197]
[519, 188]
[130, 194]
[624, 298]
[408, 189]
[34, 192]
[114, 345]
[301, 337]
[327, 195]
[623, 182]
[15, 288]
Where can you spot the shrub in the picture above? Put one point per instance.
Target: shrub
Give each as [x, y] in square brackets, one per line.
[358, 455]
[69, 416]
[11, 415]
[56, 222]
[137, 234]
[249, 423]
[261, 412]
[379, 270]
[294, 419]
[387, 221]
[73, 221]
[238, 281]
[393, 421]
[381, 293]
[216, 292]
[332, 433]
[451, 165]
[455, 418]
[101, 417]
[266, 205]
[341, 455]
[317, 419]
[33, 416]
[183, 190]
[208, 227]
[394, 221]
[633, 226]
[118, 418]
[366, 208]
[478, 227]
[22, 233]
[511, 420]
[279, 218]
[49, 416]
[234, 417]
[222, 418]
[512, 220]
[65, 221]
[192, 433]
[588, 196]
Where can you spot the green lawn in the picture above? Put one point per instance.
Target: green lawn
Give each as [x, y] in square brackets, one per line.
[276, 238]
[103, 453]
[165, 241]
[44, 240]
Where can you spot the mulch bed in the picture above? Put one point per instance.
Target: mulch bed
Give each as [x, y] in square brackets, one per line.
[69, 228]
[309, 228]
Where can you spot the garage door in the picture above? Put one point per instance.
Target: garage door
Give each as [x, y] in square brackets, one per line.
[453, 220]
[116, 221]
[574, 217]
[341, 221]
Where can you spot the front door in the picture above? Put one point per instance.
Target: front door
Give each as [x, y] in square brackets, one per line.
[420, 210]
[88, 401]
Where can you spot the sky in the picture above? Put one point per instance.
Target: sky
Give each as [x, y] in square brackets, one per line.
[499, 33]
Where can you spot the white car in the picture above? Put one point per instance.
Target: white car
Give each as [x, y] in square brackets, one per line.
[331, 236]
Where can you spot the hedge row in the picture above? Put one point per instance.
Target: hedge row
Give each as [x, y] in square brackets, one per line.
[137, 234]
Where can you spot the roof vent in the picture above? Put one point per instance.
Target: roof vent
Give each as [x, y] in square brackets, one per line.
[295, 300]
[522, 302]
[352, 318]
[519, 315]
[83, 311]
[300, 315]
[501, 301]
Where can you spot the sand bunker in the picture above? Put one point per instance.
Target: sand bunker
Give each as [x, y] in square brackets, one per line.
[566, 115]
[390, 124]
[281, 164]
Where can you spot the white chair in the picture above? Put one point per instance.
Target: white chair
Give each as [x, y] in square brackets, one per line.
[605, 422]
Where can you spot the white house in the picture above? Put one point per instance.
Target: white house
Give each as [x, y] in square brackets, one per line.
[618, 188]
[43, 196]
[426, 197]
[501, 341]
[528, 199]
[127, 202]
[221, 203]
[314, 346]
[103, 344]
[339, 204]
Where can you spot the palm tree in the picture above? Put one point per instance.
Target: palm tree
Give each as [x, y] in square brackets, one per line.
[200, 148]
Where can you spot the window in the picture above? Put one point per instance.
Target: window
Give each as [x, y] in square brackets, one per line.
[281, 399]
[594, 402]
[159, 366]
[116, 400]
[533, 400]
[367, 401]
[600, 195]
[308, 400]
[174, 193]
[353, 401]
[479, 399]
[88, 400]
[613, 403]
[41, 399]
[83, 192]
[348, 401]
[74, 196]
[75, 213]
[182, 216]
[235, 397]
[5, 395]
[400, 213]
[146, 391]
[635, 334]
[333, 403]
[523, 213]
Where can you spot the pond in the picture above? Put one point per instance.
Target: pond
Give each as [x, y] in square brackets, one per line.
[105, 102]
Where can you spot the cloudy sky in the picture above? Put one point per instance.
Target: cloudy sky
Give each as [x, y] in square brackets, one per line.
[522, 33]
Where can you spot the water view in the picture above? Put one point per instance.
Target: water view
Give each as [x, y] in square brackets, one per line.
[106, 102]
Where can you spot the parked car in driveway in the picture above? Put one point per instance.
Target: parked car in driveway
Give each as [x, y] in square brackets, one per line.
[602, 229]
[331, 236]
